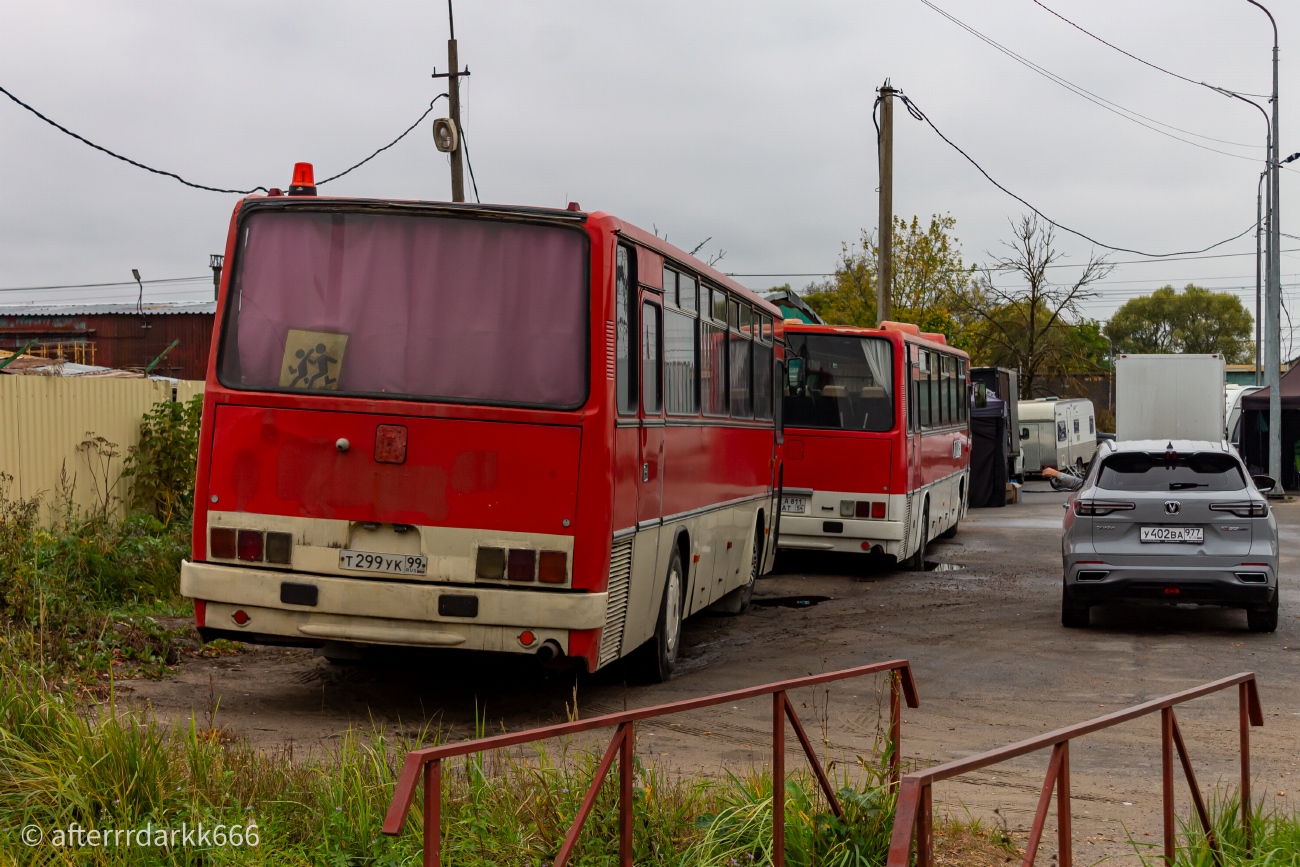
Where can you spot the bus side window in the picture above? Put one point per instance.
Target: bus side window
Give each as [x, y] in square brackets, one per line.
[624, 331]
[923, 386]
[651, 369]
[911, 383]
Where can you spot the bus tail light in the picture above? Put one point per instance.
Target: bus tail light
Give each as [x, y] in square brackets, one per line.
[200, 613]
[240, 617]
[863, 509]
[221, 543]
[490, 564]
[249, 546]
[878, 509]
[521, 565]
[552, 567]
[848, 508]
[279, 548]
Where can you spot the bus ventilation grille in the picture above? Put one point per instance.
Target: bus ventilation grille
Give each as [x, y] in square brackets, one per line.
[907, 527]
[620, 574]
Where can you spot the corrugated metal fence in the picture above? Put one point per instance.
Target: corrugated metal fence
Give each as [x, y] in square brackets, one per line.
[44, 420]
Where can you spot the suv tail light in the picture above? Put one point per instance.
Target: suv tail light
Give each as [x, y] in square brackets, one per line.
[1098, 508]
[1251, 509]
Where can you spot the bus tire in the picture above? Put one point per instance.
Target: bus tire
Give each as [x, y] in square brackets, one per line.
[917, 563]
[951, 531]
[657, 658]
[737, 601]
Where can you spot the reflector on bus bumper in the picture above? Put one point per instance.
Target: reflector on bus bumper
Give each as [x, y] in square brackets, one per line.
[357, 598]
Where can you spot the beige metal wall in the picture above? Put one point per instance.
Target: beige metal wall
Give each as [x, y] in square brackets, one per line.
[43, 419]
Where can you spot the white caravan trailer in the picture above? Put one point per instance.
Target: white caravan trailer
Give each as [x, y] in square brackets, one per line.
[1057, 433]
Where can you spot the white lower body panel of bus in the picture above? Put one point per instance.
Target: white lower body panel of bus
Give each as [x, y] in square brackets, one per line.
[823, 527]
[386, 612]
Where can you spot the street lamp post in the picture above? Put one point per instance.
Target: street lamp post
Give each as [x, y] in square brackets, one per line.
[1273, 293]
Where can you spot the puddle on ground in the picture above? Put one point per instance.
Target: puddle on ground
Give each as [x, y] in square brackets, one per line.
[943, 567]
[788, 601]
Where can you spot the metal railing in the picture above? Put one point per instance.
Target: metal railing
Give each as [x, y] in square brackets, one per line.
[426, 764]
[912, 821]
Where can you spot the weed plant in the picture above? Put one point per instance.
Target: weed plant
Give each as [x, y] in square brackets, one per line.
[81, 592]
[1275, 838]
[98, 767]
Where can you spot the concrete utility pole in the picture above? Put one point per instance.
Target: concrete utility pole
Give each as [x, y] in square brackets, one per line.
[453, 99]
[454, 144]
[885, 265]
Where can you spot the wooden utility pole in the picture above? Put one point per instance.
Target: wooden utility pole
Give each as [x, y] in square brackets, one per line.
[453, 100]
[885, 265]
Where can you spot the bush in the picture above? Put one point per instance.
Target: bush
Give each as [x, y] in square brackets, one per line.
[161, 468]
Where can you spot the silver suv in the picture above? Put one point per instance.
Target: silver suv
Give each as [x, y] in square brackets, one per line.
[1175, 522]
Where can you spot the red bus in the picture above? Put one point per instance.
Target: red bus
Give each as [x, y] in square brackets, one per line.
[492, 428]
[877, 449]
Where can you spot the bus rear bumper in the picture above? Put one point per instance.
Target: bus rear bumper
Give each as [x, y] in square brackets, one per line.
[840, 534]
[384, 612]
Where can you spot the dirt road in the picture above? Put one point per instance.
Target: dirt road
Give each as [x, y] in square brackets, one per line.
[992, 663]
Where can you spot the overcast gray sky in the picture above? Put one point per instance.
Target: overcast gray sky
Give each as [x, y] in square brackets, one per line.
[747, 122]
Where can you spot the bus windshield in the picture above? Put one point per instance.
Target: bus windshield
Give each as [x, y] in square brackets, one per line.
[409, 306]
[848, 384]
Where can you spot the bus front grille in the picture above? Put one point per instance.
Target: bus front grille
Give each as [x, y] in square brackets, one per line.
[620, 574]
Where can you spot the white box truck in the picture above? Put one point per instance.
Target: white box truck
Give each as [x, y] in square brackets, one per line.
[1170, 397]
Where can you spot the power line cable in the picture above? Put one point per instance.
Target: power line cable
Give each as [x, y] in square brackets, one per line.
[1054, 265]
[1140, 60]
[138, 165]
[63, 129]
[207, 277]
[916, 112]
[469, 162]
[387, 146]
[1100, 101]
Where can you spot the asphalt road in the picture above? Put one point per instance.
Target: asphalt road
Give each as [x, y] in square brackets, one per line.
[993, 665]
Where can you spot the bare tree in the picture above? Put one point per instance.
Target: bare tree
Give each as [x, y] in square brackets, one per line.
[1032, 326]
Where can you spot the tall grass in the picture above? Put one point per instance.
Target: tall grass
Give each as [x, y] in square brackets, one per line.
[63, 764]
[1275, 838]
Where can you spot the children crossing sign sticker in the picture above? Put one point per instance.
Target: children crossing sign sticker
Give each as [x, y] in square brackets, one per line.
[312, 360]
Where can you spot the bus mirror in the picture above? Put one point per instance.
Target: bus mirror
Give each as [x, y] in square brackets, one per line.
[981, 395]
[795, 373]
[1024, 433]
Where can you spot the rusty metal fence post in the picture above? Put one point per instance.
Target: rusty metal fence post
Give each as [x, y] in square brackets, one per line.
[425, 765]
[912, 818]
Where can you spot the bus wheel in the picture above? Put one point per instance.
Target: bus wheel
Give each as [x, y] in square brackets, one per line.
[951, 531]
[917, 563]
[658, 656]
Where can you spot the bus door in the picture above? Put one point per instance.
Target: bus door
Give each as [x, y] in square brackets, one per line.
[651, 493]
[914, 398]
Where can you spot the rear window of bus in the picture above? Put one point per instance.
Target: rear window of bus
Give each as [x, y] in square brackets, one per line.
[409, 306]
[1152, 471]
[849, 383]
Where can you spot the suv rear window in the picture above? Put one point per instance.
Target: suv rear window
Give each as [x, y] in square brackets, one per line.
[1151, 471]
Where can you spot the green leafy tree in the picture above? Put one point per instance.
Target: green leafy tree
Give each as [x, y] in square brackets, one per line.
[1022, 318]
[1195, 320]
[928, 275]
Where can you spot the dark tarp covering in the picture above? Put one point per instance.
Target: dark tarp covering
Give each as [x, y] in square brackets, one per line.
[988, 459]
[1254, 430]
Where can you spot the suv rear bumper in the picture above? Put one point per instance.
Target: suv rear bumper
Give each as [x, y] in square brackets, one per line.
[1171, 584]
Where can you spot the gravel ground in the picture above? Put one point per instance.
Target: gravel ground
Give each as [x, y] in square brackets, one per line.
[991, 660]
